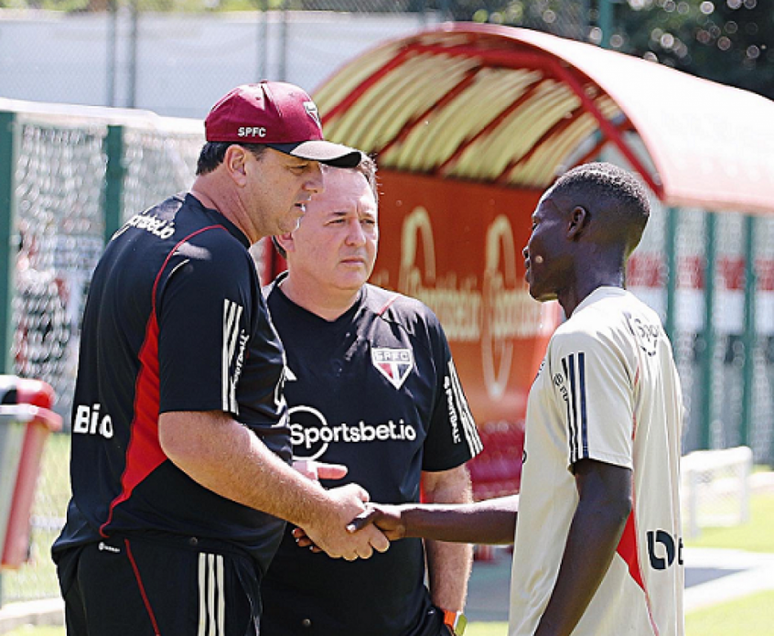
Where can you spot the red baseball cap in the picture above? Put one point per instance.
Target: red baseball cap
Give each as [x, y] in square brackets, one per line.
[279, 115]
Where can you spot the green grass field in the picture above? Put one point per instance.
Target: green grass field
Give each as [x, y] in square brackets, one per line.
[748, 616]
[756, 536]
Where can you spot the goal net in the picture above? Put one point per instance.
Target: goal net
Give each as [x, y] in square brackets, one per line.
[56, 162]
[715, 488]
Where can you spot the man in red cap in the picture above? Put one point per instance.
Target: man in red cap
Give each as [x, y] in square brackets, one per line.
[180, 436]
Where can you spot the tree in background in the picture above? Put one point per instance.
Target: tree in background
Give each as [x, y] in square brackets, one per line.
[729, 41]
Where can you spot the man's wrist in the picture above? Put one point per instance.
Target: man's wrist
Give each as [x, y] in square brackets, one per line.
[455, 622]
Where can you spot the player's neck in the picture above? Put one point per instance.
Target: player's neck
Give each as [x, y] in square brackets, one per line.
[206, 189]
[328, 305]
[570, 298]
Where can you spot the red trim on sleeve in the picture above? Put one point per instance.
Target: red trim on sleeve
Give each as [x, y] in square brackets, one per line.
[387, 305]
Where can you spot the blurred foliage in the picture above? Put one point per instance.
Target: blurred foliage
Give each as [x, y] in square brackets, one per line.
[729, 41]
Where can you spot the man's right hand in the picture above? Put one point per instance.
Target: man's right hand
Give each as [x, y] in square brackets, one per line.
[331, 535]
[385, 517]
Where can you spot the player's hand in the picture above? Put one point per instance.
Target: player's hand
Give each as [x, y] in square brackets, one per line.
[329, 531]
[385, 517]
[319, 470]
[303, 540]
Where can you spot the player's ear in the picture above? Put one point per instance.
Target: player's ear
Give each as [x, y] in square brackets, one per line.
[285, 242]
[234, 160]
[579, 221]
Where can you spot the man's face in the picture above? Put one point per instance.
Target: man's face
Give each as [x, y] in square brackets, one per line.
[547, 255]
[278, 188]
[335, 245]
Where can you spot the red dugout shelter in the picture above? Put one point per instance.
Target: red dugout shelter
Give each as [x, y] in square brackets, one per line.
[470, 123]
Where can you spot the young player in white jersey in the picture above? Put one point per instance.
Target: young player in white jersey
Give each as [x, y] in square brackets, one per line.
[605, 393]
[597, 540]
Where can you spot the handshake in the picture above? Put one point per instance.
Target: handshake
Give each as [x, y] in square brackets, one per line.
[355, 527]
[360, 527]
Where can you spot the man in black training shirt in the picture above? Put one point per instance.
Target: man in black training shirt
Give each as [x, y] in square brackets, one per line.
[180, 436]
[371, 385]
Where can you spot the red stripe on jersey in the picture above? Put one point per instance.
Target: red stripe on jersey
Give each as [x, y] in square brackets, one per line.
[627, 550]
[636, 388]
[144, 453]
[387, 305]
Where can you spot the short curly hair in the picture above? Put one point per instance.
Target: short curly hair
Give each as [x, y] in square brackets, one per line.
[609, 188]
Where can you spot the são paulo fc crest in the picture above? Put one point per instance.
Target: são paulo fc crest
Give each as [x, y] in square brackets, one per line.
[393, 364]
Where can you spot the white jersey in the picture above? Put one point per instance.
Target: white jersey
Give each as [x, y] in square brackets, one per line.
[607, 390]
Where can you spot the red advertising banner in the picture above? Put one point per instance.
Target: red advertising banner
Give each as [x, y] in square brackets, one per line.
[458, 247]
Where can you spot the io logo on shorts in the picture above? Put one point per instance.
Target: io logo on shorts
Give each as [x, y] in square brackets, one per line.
[393, 364]
[311, 436]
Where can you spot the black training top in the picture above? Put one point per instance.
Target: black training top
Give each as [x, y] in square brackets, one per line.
[376, 390]
[175, 321]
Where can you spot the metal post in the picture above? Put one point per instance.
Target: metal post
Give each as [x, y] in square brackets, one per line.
[114, 179]
[112, 52]
[263, 40]
[282, 70]
[132, 97]
[446, 14]
[672, 273]
[7, 240]
[693, 506]
[584, 23]
[606, 22]
[748, 370]
[8, 264]
[708, 334]
[422, 11]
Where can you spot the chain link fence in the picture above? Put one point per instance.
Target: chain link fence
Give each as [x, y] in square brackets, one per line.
[721, 333]
[58, 178]
[60, 174]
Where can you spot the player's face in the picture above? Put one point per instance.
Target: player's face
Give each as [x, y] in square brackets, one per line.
[546, 257]
[334, 247]
[279, 187]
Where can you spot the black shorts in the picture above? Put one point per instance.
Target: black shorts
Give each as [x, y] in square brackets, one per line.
[132, 586]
